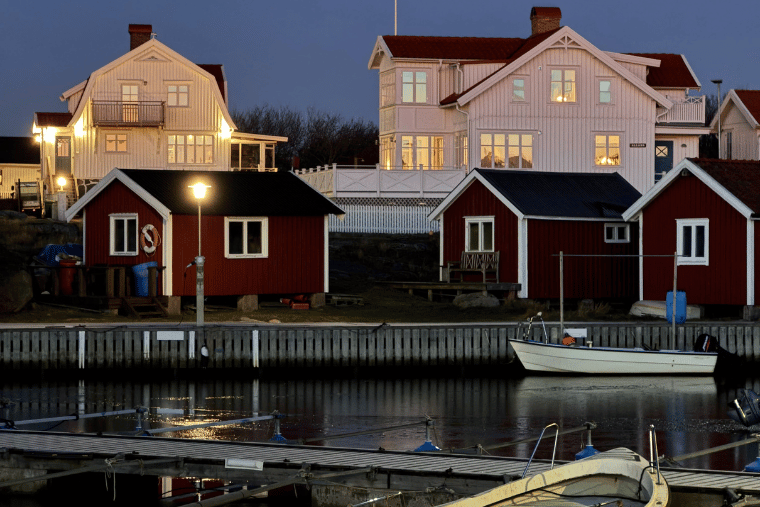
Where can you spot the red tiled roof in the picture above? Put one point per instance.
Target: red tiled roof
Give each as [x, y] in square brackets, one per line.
[751, 100]
[452, 48]
[217, 71]
[740, 177]
[672, 72]
[52, 119]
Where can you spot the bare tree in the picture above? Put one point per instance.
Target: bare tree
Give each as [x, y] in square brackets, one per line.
[267, 120]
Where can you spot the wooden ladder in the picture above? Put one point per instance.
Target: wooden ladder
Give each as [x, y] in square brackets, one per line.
[143, 308]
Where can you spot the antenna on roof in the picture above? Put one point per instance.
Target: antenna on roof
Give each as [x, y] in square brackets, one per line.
[153, 35]
[395, 17]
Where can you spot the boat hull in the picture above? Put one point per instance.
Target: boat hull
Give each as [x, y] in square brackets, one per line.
[543, 357]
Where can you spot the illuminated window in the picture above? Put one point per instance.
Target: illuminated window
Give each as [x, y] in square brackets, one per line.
[246, 237]
[387, 153]
[479, 234]
[693, 241]
[422, 152]
[607, 150]
[506, 150]
[414, 87]
[116, 143]
[460, 150]
[190, 149]
[123, 234]
[129, 106]
[563, 85]
[178, 95]
[387, 89]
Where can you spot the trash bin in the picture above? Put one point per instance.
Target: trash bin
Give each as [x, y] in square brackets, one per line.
[680, 311]
[141, 277]
[67, 276]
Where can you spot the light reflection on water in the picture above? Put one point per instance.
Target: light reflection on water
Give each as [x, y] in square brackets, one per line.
[688, 413]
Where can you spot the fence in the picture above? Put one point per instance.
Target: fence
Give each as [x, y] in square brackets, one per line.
[385, 219]
[298, 349]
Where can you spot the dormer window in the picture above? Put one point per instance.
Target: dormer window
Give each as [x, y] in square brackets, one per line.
[563, 85]
[414, 87]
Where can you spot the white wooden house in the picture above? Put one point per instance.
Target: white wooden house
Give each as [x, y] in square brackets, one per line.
[739, 117]
[548, 102]
[151, 108]
[19, 161]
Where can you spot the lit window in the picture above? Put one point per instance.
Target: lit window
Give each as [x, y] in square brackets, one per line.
[479, 234]
[496, 149]
[414, 87]
[520, 151]
[693, 241]
[246, 237]
[386, 153]
[178, 96]
[422, 152]
[607, 150]
[387, 89]
[129, 106]
[123, 234]
[617, 233]
[605, 91]
[492, 150]
[116, 143]
[460, 150]
[518, 90]
[190, 149]
[563, 85]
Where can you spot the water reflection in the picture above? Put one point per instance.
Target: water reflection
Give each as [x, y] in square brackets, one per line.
[689, 414]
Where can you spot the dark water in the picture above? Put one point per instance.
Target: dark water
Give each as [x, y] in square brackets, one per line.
[689, 414]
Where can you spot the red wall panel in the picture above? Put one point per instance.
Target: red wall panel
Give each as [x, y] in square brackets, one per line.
[724, 280]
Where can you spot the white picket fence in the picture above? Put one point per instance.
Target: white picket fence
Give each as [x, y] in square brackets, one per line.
[385, 219]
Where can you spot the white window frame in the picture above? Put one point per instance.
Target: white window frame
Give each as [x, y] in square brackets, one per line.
[426, 148]
[173, 148]
[387, 89]
[616, 228]
[515, 90]
[118, 138]
[112, 219]
[564, 81]
[607, 149]
[599, 91]
[414, 87]
[461, 152]
[692, 259]
[505, 149]
[468, 221]
[174, 97]
[264, 237]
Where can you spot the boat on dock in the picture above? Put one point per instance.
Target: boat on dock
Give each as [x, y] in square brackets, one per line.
[571, 357]
[618, 477]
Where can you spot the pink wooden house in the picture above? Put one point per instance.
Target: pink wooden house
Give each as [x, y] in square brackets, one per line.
[739, 117]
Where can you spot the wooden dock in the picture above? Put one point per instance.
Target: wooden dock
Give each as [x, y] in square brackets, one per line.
[265, 463]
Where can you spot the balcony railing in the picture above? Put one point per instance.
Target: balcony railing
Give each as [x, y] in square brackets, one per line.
[128, 114]
[688, 111]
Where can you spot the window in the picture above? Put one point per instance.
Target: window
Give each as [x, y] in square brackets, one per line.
[246, 238]
[129, 106]
[729, 145]
[693, 241]
[518, 90]
[617, 233]
[386, 153]
[123, 234]
[421, 152]
[414, 87]
[178, 96]
[460, 150]
[563, 85]
[387, 89]
[607, 150]
[248, 156]
[494, 149]
[605, 91]
[116, 143]
[479, 234]
[190, 149]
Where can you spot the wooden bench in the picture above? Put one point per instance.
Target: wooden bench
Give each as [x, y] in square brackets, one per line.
[485, 263]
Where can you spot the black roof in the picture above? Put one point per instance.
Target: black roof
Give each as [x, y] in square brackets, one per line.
[19, 150]
[236, 193]
[571, 195]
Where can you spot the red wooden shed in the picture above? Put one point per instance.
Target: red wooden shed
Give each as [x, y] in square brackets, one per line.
[530, 217]
[261, 232]
[706, 211]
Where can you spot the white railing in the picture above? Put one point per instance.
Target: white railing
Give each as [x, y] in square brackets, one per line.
[6, 194]
[372, 181]
[385, 220]
[690, 110]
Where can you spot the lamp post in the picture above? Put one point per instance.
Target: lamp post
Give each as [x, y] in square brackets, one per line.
[199, 191]
[720, 150]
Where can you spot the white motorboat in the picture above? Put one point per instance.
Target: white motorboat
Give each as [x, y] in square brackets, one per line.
[619, 477]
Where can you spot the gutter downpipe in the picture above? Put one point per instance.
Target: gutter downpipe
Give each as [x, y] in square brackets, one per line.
[467, 115]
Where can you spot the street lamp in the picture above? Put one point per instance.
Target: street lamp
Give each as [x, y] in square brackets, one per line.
[199, 191]
[718, 82]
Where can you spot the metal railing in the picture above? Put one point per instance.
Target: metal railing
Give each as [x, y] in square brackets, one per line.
[135, 114]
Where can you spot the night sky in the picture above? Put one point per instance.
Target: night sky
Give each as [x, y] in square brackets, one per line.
[306, 53]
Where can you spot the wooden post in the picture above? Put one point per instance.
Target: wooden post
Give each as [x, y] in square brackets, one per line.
[673, 313]
[561, 294]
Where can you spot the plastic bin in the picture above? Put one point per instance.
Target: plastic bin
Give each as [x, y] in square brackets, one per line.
[141, 277]
[68, 267]
[680, 307]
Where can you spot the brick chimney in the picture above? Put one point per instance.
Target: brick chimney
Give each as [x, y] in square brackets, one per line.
[139, 34]
[544, 19]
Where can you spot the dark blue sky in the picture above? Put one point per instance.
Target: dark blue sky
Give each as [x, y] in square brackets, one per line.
[304, 53]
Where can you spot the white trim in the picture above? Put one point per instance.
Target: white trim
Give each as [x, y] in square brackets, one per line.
[732, 96]
[479, 219]
[244, 136]
[264, 221]
[84, 237]
[126, 217]
[522, 256]
[326, 249]
[616, 226]
[641, 257]
[440, 248]
[693, 259]
[750, 263]
[462, 186]
[168, 275]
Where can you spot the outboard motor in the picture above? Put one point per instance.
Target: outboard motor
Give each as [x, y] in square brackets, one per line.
[745, 408]
[706, 343]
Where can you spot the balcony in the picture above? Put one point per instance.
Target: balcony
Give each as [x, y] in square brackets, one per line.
[128, 114]
[689, 111]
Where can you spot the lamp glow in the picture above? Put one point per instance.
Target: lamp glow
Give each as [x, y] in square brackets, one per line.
[61, 182]
[199, 190]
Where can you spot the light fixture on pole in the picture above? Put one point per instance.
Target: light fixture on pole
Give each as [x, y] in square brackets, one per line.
[718, 82]
[199, 191]
[61, 182]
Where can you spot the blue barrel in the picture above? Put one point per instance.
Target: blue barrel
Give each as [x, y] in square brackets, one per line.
[141, 277]
[680, 307]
